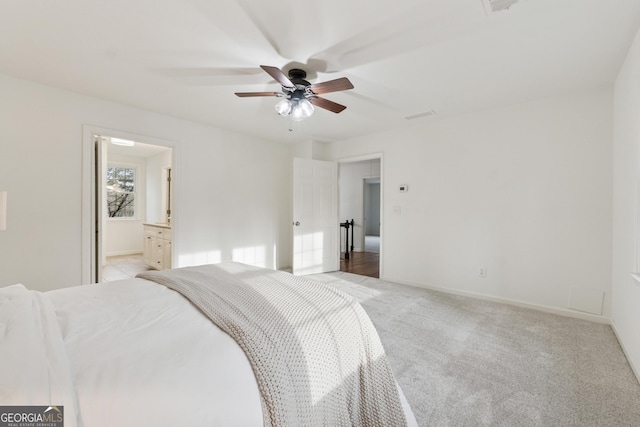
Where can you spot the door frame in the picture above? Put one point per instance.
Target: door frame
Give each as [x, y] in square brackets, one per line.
[355, 159]
[91, 233]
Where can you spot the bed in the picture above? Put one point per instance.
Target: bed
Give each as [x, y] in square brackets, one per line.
[146, 352]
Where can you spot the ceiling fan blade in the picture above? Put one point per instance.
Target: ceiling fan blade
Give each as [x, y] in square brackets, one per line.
[331, 86]
[247, 94]
[278, 75]
[326, 104]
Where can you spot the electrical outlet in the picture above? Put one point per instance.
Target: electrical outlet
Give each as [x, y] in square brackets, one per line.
[482, 272]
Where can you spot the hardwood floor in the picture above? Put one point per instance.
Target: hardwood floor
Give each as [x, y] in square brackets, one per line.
[363, 263]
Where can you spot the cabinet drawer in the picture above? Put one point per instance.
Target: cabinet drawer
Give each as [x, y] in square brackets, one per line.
[164, 233]
[157, 232]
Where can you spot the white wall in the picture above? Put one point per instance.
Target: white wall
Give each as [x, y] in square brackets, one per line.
[315, 150]
[626, 203]
[233, 191]
[351, 202]
[372, 209]
[523, 191]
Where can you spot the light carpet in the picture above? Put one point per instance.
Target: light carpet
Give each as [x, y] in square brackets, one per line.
[468, 362]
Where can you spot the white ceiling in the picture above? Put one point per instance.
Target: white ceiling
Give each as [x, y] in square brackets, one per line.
[186, 58]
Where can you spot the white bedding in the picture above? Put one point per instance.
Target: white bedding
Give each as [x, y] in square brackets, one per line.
[33, 358]
[126, 353]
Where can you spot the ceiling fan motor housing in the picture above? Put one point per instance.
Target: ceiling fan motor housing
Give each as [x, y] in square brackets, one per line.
[297, 74]
[301, 90]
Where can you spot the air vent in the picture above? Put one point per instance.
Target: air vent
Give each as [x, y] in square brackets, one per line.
[425, 114]
[498, 5]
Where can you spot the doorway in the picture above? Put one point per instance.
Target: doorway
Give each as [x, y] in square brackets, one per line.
[360, 201]
[136, 190]
[131, 187]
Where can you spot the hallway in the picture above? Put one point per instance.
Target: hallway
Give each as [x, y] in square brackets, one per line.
[364, 263]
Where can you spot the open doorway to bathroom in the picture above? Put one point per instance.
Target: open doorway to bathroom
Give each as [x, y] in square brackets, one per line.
[360, 202]
[133, 196]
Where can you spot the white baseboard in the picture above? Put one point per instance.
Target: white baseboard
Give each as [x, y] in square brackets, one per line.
[624, 350]
[123, 253]
[547, 309]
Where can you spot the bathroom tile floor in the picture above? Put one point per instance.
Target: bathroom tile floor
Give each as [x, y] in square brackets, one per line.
[123, 267]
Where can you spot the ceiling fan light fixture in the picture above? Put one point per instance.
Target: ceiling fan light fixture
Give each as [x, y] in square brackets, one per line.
[298, 108]
[305, 108]
[296, 113]
[301, 109]
[283, 107]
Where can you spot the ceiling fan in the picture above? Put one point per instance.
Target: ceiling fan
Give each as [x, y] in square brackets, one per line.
[299, 95]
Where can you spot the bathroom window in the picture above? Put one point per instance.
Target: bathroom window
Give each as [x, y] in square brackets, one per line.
[121, 192]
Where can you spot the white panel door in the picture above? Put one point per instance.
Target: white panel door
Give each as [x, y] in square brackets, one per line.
[315, 217]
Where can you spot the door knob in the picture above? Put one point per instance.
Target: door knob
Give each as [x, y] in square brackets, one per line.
[297, 223]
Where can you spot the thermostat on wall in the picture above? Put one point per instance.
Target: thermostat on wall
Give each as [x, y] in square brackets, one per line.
[403, 188]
